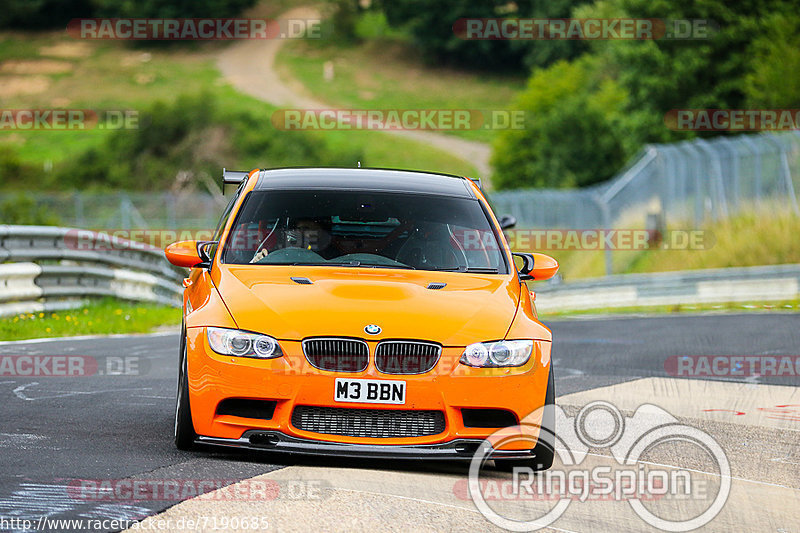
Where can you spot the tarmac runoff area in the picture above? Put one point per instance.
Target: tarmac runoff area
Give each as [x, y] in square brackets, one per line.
[756, 425]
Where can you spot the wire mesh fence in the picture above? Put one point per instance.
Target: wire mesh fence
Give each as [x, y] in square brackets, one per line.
[686, 183]
[124, 210]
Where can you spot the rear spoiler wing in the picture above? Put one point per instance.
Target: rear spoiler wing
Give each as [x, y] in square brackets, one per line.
[233, 177]
[477, 181]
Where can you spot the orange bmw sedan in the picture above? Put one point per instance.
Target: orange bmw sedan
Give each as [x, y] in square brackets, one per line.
[362, 313]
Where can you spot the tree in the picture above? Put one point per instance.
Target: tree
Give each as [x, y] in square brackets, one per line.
[571, 136]
[431, 27]
[773, 80]
[594, 113]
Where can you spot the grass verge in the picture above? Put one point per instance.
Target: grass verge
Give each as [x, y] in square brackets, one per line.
[104, 317]
[728, 307]
[756, 237]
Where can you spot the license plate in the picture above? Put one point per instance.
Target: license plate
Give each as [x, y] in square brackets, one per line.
[370, 391]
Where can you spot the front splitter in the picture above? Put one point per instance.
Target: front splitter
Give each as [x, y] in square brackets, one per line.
[274, 441]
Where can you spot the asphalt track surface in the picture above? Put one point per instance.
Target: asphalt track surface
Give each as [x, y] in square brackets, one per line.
[116, 425]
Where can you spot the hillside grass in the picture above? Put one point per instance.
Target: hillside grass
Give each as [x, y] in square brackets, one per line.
[386, 74]
[780, 306]
[51, 70]
[764, 236]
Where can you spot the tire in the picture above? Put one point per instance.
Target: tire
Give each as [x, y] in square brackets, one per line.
[543, 452]
[184, 429]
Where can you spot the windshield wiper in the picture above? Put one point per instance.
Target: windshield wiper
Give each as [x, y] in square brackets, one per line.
[378, 265]
[479, 270]
[344, 264]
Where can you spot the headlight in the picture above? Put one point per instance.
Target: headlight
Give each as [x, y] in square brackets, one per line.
[242, 343]
[500, 353]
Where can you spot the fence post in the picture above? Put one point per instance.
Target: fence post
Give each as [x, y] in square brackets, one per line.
[748, 140]
[79, 220]
[699, 213]
[786, 174]
[124, 212]
[716, 177]
[605, 216]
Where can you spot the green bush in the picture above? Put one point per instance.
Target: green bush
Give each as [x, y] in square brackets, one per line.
[13, 172]
[590, 115]
[571, 136]
[192, 135]
[431, 27]
[21, 208]
[38, 14]
[171, 8]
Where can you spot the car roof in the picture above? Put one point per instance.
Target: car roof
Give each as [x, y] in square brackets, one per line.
[364, 179]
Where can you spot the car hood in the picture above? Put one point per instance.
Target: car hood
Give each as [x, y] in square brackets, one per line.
[342, 301]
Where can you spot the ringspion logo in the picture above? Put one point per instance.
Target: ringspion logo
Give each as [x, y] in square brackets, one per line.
[629, 477]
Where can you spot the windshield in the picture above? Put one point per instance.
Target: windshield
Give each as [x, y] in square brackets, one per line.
[366, 229]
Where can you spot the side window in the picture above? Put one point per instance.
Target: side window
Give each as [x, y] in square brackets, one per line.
[212, 250]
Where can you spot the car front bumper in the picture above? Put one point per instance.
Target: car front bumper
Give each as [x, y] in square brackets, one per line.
[459, 449]
[290, 381]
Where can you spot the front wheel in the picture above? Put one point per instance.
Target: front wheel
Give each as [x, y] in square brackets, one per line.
[544, 451]
[184, 429]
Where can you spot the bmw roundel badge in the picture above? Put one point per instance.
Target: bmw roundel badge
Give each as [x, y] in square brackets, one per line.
[372, 329]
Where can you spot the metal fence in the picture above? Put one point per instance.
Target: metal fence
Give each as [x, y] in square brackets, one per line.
[681, 185]
[688, 182]
[45, 268]
[122, 210]
[692, 287]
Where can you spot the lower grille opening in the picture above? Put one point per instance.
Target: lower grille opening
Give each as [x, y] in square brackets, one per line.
[264, 439]
[468, 448]
[371, 423]
[488, 418]
[261, 409]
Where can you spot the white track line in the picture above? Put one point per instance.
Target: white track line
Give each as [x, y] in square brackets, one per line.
[712, 474]
[90, 337]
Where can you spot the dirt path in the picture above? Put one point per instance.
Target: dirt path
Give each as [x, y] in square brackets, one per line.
[250, 67]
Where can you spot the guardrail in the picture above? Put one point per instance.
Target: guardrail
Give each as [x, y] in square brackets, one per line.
[44, 268]
[688, 287]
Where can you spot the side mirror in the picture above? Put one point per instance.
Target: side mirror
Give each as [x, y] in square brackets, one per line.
[189, 254]
[536, 267]
[507, 221]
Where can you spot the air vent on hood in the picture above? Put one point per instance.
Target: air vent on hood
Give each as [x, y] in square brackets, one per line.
[436, 285]
[302, 281]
